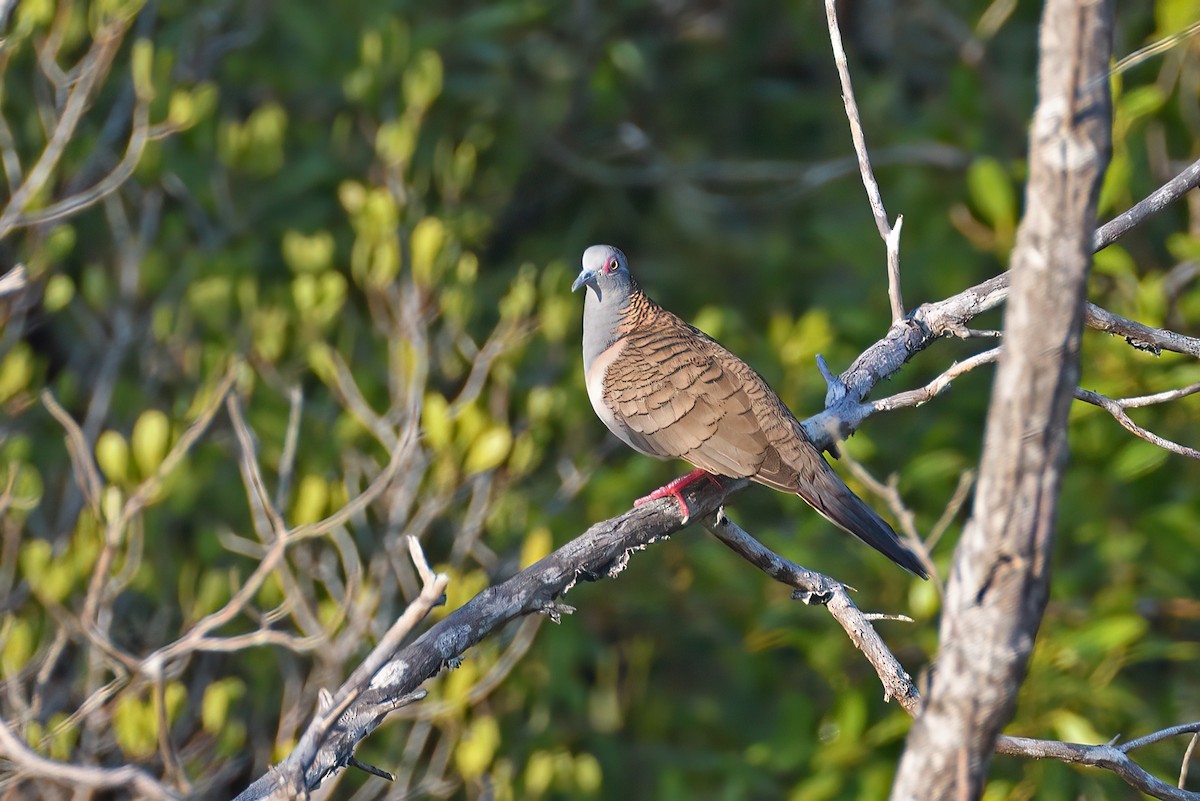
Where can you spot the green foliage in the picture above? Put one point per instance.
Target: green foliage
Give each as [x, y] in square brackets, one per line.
[358, 222]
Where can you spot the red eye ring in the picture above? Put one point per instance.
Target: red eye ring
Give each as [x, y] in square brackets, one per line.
[612, 265]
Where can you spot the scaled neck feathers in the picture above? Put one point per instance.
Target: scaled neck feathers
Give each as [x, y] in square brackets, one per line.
[609, 315]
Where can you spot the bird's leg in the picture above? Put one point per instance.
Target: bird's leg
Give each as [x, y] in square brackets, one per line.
[674, 489]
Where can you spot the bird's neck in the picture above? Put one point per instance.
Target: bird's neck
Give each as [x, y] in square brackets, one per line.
[608, 317]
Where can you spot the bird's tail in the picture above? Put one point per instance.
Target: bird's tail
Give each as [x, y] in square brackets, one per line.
[839, 505]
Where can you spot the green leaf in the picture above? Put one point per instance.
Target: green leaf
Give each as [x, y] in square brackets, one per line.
[59, 291]
[477, 748]
[1137, 458]
[112, 456]
[18, 644]
[135, 726]
[423, 80]
[308, 254]
[16, 371]
[218, 698]
[142, 69]
[151, 435]
[991, 191]
[489, 450]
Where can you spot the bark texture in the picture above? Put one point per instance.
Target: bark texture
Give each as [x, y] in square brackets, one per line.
[1000, 576]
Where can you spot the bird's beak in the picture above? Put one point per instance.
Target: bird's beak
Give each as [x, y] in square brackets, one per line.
[583, 277]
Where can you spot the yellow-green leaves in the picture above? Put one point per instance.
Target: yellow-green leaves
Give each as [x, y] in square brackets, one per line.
[136, 719]
[18, 638]
[427, 239]
[992, 193]
[59, 291]
[521, 296]
[489, 450]
[112, 456]
[436, 424]
[312, 499]
[150, 439]
[477, 747]
[187, 107]
[396, 140]
[423, 80]
[33, 14]
[375, 215]
[308, 253]
[50, 579]
[16, 371]
[219, 696]
[256, 145]
[536, 546]
[142, 69]
[318, 291]
[559, 769]
[319, 298]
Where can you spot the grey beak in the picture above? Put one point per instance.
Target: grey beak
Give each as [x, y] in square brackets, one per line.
[582, 279]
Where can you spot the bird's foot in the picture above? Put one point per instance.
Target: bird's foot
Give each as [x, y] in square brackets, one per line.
[674, 489]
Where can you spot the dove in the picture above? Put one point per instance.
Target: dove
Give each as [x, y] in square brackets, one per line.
[668, 390]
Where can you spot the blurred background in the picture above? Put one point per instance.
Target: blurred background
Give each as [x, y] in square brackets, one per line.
[368, 219]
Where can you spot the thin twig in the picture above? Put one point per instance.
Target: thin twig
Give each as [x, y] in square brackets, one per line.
[14, 281]
[888, 233]
[1187, 758]
[916, 397]
[1117, 410]
[306, 751]
[91, 69]
[29, 762]
[1153, 203]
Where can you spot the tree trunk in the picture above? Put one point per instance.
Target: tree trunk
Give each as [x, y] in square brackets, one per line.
[1000, 577]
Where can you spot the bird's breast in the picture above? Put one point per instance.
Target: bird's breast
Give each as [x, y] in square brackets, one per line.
[594, 378]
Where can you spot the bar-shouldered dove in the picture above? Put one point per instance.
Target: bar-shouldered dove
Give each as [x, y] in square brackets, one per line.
[669, 390]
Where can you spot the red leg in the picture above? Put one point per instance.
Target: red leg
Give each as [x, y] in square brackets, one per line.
[674, 489]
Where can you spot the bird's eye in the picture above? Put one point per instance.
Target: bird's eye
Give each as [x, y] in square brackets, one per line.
[612, 265]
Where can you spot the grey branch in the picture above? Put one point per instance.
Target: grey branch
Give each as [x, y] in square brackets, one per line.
[1107, 757]
[890, 234]
[1117, 407]
[898, 684]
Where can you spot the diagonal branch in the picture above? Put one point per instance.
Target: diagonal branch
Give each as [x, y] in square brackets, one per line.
[1117, 409]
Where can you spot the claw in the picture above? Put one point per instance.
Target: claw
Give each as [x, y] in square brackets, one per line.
[674, 489]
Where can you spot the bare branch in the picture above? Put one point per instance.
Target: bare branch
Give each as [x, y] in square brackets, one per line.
[1098, 756]
[1139, 335]
[1117, 409]
[1155, 202]
[86, 471]
[28, 762]
[916, 397]
[1159, 736]
[1159, 397]
[14, 282]
[1187, 758]
[888, 233]
[92, 68]
[815, 587]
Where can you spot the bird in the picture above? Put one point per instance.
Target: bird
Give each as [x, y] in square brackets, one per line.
[668, 390]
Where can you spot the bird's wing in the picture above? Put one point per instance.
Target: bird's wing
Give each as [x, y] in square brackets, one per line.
[678, 394]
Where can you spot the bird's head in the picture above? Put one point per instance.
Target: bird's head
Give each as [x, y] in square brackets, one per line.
[604, 270]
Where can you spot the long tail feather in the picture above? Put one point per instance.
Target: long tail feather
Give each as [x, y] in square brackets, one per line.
[830, 496]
